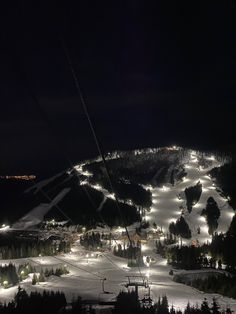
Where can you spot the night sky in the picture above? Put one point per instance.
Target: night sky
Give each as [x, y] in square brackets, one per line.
[151, 75]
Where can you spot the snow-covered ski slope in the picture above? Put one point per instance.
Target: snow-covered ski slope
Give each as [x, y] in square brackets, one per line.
[86, 273]
[167, 207]
[166, 204]
[36, 215]
[85, 279]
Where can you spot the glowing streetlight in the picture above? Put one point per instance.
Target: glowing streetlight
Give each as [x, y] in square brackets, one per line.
[165, 188]
[231, 214]
[201, 218]
[111, 195]
[5, 284]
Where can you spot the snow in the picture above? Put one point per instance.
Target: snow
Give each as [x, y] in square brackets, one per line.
[87, 272]
[36, 215]
[37, 187]
[166, 205]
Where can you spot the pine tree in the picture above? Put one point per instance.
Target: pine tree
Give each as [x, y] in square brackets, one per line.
[34, 279]
[215, 307]
[164, 305]
[172, 310]
[205, 309]
[41, 277]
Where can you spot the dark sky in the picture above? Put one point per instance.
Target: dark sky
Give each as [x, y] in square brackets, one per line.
[152, 73]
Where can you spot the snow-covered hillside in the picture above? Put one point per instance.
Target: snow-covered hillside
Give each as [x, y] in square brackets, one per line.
[168, 201]
[87, 270]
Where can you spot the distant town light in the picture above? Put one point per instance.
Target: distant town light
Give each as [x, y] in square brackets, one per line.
[4, 227]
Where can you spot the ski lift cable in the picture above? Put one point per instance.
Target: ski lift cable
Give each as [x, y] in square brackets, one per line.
[29, 90]
[110, 260]
[51, 128]
[78, 88]
[45, 118]
[80, 268]
[56, 205]
[77, 85]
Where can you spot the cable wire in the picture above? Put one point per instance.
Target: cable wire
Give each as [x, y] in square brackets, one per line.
[78, 88]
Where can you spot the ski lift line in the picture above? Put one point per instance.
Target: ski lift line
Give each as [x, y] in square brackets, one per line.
[93, 204]
[85, 278]
[77, 85]
[80, 268]
[118, 267]
[65, 261]
[56, 205]
[29, 90]
[51, 127]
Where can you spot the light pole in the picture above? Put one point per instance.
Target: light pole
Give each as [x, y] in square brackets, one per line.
[5, 284]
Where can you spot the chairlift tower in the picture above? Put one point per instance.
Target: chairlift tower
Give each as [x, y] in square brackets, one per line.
[133, 282]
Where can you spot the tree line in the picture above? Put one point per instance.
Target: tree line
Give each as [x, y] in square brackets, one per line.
[22, 248]
[91, 240]
[223, 284]
[132, 253]
[55, 302]
[129, 303]
[10, 275]
[188, 257]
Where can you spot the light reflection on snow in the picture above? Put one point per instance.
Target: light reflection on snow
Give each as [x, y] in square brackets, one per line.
[202, 219]
[231, 214]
